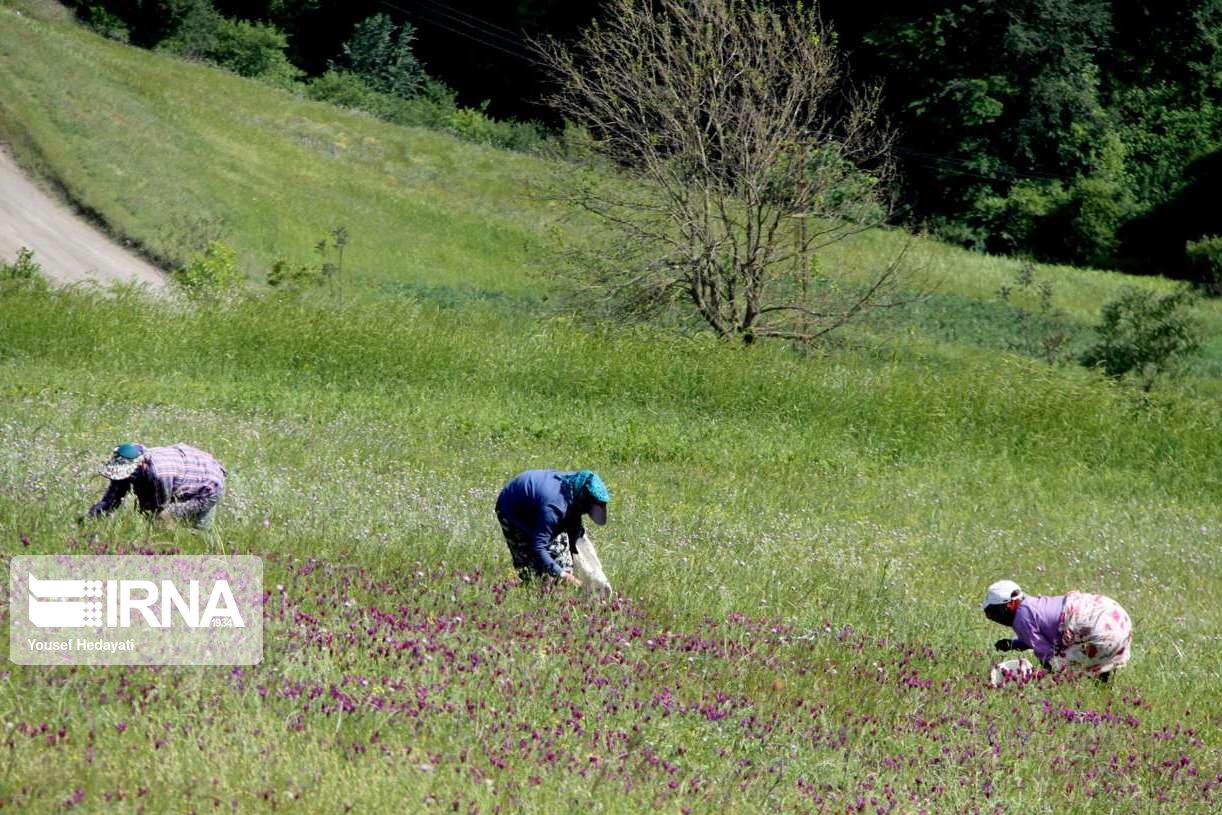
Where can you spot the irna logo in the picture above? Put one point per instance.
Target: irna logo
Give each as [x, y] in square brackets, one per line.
[117, 603]
[135, 609]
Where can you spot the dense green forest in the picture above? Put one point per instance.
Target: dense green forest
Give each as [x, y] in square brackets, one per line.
[1078, 131]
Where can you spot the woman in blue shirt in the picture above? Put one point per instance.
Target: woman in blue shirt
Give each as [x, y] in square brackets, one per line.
[540, 513]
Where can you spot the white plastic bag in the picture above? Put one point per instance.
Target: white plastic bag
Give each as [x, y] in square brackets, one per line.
[1010, 668]
[589, 569]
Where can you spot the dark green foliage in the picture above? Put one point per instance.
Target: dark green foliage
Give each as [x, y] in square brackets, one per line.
[1043, 126]
[1097, 206]
[996, 94]
[1164, 134]
[382, 76]
[1155, 242]
[108, 25]
[383, 57]
[1144, 335]
[195, 27]
[255, 50]
[1206, 256]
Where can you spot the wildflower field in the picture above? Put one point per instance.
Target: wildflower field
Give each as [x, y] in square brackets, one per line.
[799, 540]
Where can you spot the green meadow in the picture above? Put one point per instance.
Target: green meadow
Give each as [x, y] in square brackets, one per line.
[799, 539]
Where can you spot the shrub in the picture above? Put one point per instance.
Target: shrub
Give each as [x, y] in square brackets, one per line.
[108, 25]
[213, 271]
[383, 77]
[254, 50]
[1097, 207]
[347, 90]
[384, 59]
[287, 277]
[433, 108]
[1053, 221]
[1206, 255]
[1143, 335]
[196, 26]
[1043, 330]
[329, 269]
[474, 125]
[23, 268]
[1017, 219]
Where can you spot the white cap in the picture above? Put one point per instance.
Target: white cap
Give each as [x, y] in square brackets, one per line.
[1001, 592]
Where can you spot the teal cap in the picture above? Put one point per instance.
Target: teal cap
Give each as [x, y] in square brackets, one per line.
[130, 451]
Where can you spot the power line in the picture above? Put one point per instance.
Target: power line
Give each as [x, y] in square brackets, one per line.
[1008, 172]
[487, 24]
[437, 10]
[497, 37]
[446, 26]
[477, 34]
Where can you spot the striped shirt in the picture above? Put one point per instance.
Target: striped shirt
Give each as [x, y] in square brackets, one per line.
[166, 475]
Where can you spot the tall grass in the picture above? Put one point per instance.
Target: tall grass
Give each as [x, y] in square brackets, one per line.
[756, 448]
[866, 490]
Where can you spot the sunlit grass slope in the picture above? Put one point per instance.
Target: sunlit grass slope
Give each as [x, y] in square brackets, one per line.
[148, 143]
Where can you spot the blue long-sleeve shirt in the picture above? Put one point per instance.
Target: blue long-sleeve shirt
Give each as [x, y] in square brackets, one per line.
[535, 504]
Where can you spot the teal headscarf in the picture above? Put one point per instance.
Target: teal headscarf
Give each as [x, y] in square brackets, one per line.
[587, 481]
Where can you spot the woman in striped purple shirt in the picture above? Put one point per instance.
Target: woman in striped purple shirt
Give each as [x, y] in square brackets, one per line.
[1086, 632]
[177, 481]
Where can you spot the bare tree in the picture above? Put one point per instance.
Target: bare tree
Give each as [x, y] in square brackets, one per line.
[742, 155]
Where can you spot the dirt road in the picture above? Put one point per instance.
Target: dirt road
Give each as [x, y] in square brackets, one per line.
[68, 248]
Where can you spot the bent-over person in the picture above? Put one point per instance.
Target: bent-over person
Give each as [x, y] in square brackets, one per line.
[540, 514]
[177, 481]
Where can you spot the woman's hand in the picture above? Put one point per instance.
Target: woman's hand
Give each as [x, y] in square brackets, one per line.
[570, 578]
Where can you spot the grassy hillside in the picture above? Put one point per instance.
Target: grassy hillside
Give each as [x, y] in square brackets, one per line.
[147, 142]
[800, 541]
[155, 148]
